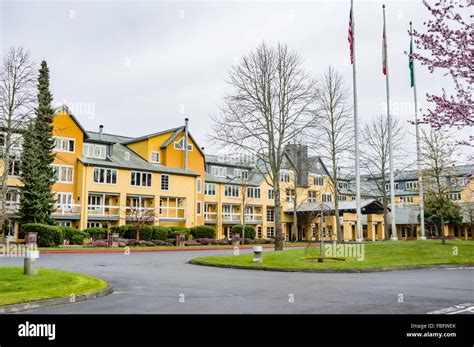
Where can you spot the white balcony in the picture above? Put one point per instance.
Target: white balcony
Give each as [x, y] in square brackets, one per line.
[12, 206]
[103, 211]
[171, 212]
[231, 217]
[67, 209]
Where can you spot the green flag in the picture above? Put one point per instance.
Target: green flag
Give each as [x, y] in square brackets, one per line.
[410, 65]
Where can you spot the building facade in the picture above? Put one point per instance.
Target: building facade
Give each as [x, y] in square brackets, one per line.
[105, 180]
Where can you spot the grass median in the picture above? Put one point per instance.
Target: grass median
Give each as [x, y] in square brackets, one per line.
[47, 284]
[378, 255]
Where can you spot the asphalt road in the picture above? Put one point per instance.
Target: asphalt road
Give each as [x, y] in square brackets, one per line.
[163, 282]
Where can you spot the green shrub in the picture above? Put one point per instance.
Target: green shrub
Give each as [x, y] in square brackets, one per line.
[203, 231]
[127, 231]
[146, 234]
[160, 233]
[67, 232]
[78, 237]
[249, 231]
[48, 235]
[97, 233]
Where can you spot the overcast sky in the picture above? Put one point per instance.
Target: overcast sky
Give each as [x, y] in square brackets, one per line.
[141, 67]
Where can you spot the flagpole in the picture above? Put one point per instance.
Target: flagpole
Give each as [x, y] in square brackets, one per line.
[418, 151]
[390, 142]
[356, 132]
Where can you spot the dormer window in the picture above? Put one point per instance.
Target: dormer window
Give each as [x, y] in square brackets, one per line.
[179, 145]
[155, 157]
[241, 173]
[93, 150]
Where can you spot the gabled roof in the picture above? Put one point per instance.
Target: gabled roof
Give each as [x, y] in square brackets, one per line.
[344, 206]
[149, 136]
[175, 134]
[66, 109]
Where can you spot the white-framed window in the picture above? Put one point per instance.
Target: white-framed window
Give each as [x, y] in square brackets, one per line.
[171, 207]
[64, 198]
[199, 185]
[270, 215]
[259, 232]
[270, 232]
[14, 167]
[219, 171]
[179, 145]
[342, 197]
[271, 193]
[459, 181]
[319, 181]
[210, 189]
[231, 191]
[65, 223]
[12, 196]
[94, 202]
[94, 150]
[105, 176]
[326, 197]
[94, 224]
[343, 185]
[454, 196]
[64, 144]
[198, 208]
[387, 186]
[284, 176]
[406, 199]
[165, 182]
[412, 185]
[312, 196]
[140, 179]
[253, 192]
[290, 194]
[63, 173]
[155, 157]
[241, 173]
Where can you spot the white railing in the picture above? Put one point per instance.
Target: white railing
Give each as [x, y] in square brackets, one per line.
[228, 216]
[65, 209]
[12, 206]
[172, 212]
[210, 215]
[253, 217]
[103, 210]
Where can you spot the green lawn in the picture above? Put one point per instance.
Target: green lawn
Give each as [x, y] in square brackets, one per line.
[376, 255]
[48, 284]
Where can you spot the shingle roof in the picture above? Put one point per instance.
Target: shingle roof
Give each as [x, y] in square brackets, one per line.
[124, 158]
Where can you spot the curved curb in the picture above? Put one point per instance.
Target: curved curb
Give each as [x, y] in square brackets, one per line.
[386, 269]
[56, 301]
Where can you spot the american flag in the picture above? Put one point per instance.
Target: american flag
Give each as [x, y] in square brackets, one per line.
[349, 38]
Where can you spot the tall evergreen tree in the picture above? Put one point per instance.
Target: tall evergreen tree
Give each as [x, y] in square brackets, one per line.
[37, 156]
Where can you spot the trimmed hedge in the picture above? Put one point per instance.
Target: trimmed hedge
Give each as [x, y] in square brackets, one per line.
[203, 232]
[74, 236]
[97, 233]
[160, 233]
[48, 235]
[249, 231]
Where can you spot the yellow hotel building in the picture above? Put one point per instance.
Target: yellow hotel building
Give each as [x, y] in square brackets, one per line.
[107, 180]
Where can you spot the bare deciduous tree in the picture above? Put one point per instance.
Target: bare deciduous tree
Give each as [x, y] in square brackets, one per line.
[437, 152]
[17, 86]
[334, 129]
[271, 101]
[375, 157]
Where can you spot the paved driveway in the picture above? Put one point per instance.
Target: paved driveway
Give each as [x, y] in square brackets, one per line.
[163, 282]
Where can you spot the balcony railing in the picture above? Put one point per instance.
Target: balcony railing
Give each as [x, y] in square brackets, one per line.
[172, 212]
[67, 209]
[210, 216]
[103, 210]
[228, 216]
[253, 217]
[12, 206]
